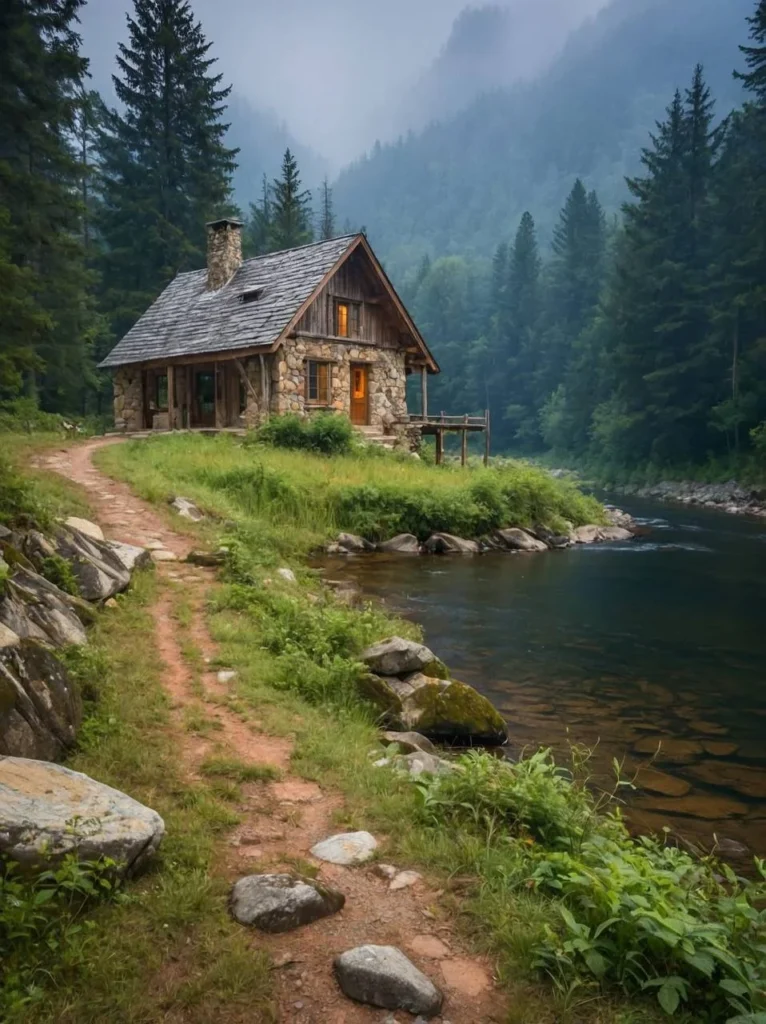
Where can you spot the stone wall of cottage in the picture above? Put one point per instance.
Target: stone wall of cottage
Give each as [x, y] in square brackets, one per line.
[128, 399]
[387, 379]
[256, 410]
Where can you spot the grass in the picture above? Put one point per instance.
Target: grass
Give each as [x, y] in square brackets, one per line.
[312, 497]
[222, 767]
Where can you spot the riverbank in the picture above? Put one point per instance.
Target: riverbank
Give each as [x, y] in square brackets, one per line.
[725, 497]
[294, 651]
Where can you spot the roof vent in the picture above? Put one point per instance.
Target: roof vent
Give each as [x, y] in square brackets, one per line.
[251, 294]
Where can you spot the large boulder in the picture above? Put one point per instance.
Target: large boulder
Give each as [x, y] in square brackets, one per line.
[553, 540]
[600, 534]
[616, 533]
[398, 657]
[85, 526]
[353, 544]
[281, 903]
[442, 710]
[410, 742]
[346, 849]
[132, 557]
[383, 976]
[99, 571]
[34, 607]
[40, 707]
[516, 539]
[48, 811]
[447, 544]
[402, 544]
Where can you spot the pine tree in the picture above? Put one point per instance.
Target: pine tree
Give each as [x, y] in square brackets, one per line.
[523, 305]
[44, 316]
[291, 208]
[166, 170]
[257, 231]
[755, 56]
[327, 212]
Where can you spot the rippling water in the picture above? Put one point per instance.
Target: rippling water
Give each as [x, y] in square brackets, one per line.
[660, 642]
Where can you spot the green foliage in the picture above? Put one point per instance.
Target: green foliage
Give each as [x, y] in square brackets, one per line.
[324, 432]
[238, 771]
[632, 914]
[290, 220]
[59, 571]
[42, 919]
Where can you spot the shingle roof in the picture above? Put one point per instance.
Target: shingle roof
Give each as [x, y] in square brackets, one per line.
[187, 319]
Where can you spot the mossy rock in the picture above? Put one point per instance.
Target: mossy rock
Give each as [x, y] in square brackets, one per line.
[454, 713]
[385, 699]
[436, 669]
[14, 557]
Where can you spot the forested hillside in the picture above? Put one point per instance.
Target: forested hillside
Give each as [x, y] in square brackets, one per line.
[460, 186]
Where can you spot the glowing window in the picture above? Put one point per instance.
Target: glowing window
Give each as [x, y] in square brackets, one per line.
[347, 319]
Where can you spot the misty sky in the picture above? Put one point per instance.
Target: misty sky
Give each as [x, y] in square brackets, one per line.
[327, 67]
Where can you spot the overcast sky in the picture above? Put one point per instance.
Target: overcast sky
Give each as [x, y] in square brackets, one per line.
[324, 66]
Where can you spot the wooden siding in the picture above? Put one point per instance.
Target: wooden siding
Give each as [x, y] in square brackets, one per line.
[380, 324]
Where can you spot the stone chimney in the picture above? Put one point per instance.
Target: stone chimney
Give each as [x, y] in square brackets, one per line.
[224, 251]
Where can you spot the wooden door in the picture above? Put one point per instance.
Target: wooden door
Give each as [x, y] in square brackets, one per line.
[360, 395]
[203, 409]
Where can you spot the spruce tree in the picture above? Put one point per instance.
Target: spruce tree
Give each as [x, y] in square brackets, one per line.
[291, 208]
[522, 356]
[44, 314]
[755, 55]
[327, 212]
[257, 232]
[165, 168]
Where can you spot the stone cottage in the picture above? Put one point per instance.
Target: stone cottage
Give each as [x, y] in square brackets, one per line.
[317, 327]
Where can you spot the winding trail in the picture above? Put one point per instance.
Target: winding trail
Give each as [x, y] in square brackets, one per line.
[282, 820]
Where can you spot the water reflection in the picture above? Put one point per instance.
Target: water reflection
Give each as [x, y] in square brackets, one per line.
[650, 651]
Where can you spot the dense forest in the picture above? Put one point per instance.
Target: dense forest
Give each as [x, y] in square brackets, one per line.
[627, 340]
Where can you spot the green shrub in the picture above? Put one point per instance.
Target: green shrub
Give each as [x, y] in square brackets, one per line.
[324, 433]
[17, 500]
[41, 919]
[636, 915]
[59, 572]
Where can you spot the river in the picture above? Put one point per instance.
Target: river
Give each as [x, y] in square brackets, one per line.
[625, 648]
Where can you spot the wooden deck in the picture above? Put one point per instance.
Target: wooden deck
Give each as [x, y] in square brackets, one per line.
[439, 425]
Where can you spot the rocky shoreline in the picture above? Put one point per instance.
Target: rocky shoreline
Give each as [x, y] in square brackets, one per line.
[728, 497]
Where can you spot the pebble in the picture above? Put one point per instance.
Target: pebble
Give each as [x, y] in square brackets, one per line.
[404, 880]
[387, 871]
[226, 676]
[161, 555]
[348, 848]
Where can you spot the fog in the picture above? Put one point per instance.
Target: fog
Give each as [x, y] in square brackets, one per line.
[330, 70]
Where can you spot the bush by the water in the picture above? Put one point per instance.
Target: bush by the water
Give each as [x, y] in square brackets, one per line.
[638, 915]
[325, 433]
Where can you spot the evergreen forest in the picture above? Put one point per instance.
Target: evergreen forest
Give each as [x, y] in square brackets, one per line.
[625, 330]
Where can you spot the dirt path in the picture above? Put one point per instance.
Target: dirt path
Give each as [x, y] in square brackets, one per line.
[282, 820]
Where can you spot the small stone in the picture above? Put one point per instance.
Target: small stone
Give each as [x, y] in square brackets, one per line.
[111, 603]
[281, 903]
[298, 1005]
[716, 749]
[287, 575]
[387, 871]
[85, 526]
[658, 782]
[226, 675]
[383, 976]
[187, 509]
[429, 946]
[161, 555]
[410, 742]
[405, 880]
[382, 762]
[154, 545]
[346, 849]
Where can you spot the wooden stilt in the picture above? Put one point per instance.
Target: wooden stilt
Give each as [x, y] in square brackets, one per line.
[171, 398]
[439, 447]
[464, 445]
[424, 391]
[487, 441]
[264, 391]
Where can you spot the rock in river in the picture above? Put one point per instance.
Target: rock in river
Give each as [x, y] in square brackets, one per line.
[743, 779]
[48, 811]
[518, 540]
[402, 544]
[410, 742]
[280, 903]
[383, 976]
[447, 544]
[668, 750]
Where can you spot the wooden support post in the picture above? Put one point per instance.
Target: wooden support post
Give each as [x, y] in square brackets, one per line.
[264, 390]
[464, 443]
[439, 447]
[486, 439]
[216, 389]
[171, 398]
[424, 392]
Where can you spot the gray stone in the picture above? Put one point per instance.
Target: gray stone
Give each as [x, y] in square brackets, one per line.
[96, 567]
[164, 556]
[8, 638]
[186, 509]
[615, 533]
[421, 763]
[226, 675]
[353, 544]
[131, 556]
[280, 903]
[518, 540]
[287, 575]
[85, 526]
[383, 976]
[397, 656]
[404, 880]
[410, 742]
[447, 544]
[33, 607]
[402, 544]
[587, 535]
[347, 848]
[40, 707]
[553, 540]
[48, 811]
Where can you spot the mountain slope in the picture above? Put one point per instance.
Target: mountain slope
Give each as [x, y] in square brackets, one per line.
[460, 186]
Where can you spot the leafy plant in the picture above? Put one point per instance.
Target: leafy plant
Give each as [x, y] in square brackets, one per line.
[59, 572]
[325, 433]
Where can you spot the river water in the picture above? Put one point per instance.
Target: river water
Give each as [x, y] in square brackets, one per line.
[626, 648]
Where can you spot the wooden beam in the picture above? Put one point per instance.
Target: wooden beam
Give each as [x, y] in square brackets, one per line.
[439, 447]
[215, 396]
[487, 441]
[264, 389]
[424, 391]
[246, 379]
[171, 398]
[464, 446]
